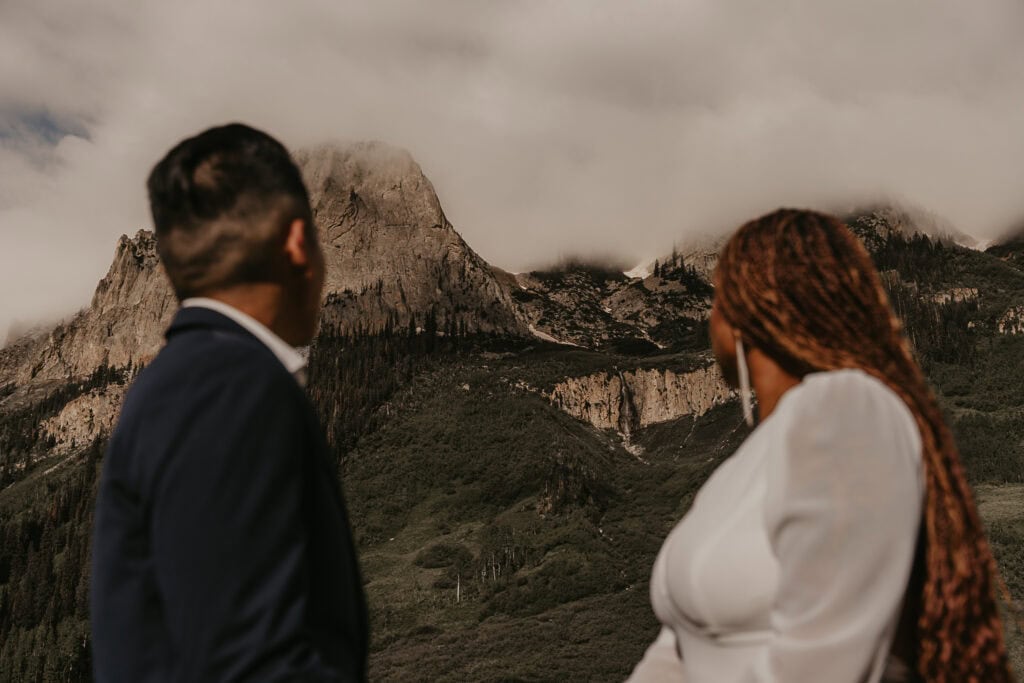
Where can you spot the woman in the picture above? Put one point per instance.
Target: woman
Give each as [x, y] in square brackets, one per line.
[841, 542]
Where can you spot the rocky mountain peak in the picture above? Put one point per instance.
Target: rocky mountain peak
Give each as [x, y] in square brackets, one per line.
[370, 182]
[134, 257]
[124, 324]
[391, 252]
[391, 255]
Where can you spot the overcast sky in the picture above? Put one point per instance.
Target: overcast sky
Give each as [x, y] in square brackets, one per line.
[549, 127]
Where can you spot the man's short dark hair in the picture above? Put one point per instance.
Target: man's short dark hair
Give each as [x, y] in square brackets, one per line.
[221, 201]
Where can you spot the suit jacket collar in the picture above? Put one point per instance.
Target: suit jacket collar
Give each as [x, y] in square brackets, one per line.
[203, 317]
[193, 317]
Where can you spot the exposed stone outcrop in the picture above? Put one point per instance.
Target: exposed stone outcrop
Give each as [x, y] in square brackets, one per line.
[390, 248]
[628, 401]
[124, 323]
[1011, 322]
[956, 295]
[18, 353]
[84, 419]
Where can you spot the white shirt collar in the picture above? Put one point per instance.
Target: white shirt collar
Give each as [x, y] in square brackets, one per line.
[292, 360]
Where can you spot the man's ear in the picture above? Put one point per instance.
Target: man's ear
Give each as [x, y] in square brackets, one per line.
[297, 248]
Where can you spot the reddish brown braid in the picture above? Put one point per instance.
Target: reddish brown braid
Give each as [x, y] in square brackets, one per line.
[801, 288]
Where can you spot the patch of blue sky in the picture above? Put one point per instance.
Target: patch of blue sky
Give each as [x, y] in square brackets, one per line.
[38, 126]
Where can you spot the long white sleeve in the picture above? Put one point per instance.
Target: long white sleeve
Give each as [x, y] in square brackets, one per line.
[843, 504]
[660, 662]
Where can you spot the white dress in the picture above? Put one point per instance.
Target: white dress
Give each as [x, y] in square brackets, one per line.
[792, 563]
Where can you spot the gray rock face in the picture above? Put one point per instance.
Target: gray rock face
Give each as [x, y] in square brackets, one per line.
[124, 323]
[389, 247]
[17, 353]
[84, 419]
[956, 295]
[629, 401]
[1012, 321]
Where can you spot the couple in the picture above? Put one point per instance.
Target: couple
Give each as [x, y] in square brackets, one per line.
[840, 544]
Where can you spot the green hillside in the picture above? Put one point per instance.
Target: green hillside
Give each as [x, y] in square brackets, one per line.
[505, 540]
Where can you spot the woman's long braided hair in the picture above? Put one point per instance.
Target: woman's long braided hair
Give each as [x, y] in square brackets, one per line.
[801, 288]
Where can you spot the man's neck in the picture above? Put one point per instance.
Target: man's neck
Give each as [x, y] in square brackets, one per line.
[262, 302]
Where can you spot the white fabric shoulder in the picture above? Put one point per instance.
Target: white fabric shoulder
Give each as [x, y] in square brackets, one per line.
[843, 503]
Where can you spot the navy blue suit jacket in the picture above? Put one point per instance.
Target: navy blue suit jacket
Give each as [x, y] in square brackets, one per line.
[221, 548]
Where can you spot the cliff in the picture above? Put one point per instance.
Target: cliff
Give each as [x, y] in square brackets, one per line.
[84, 419]
[631, 400]
[1012, 321]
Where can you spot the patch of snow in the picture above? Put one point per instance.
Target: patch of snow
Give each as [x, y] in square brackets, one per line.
[643, 270]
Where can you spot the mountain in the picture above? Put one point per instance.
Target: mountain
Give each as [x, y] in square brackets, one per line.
[391, 252]
[513, 447]
[877, 222]
[598, 307]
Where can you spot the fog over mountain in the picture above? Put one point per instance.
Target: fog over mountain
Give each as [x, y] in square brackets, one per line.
[547, 128]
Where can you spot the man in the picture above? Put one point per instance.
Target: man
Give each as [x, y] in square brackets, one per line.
[221, 549]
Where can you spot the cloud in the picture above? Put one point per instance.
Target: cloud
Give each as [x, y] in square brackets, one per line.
[548, 128]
